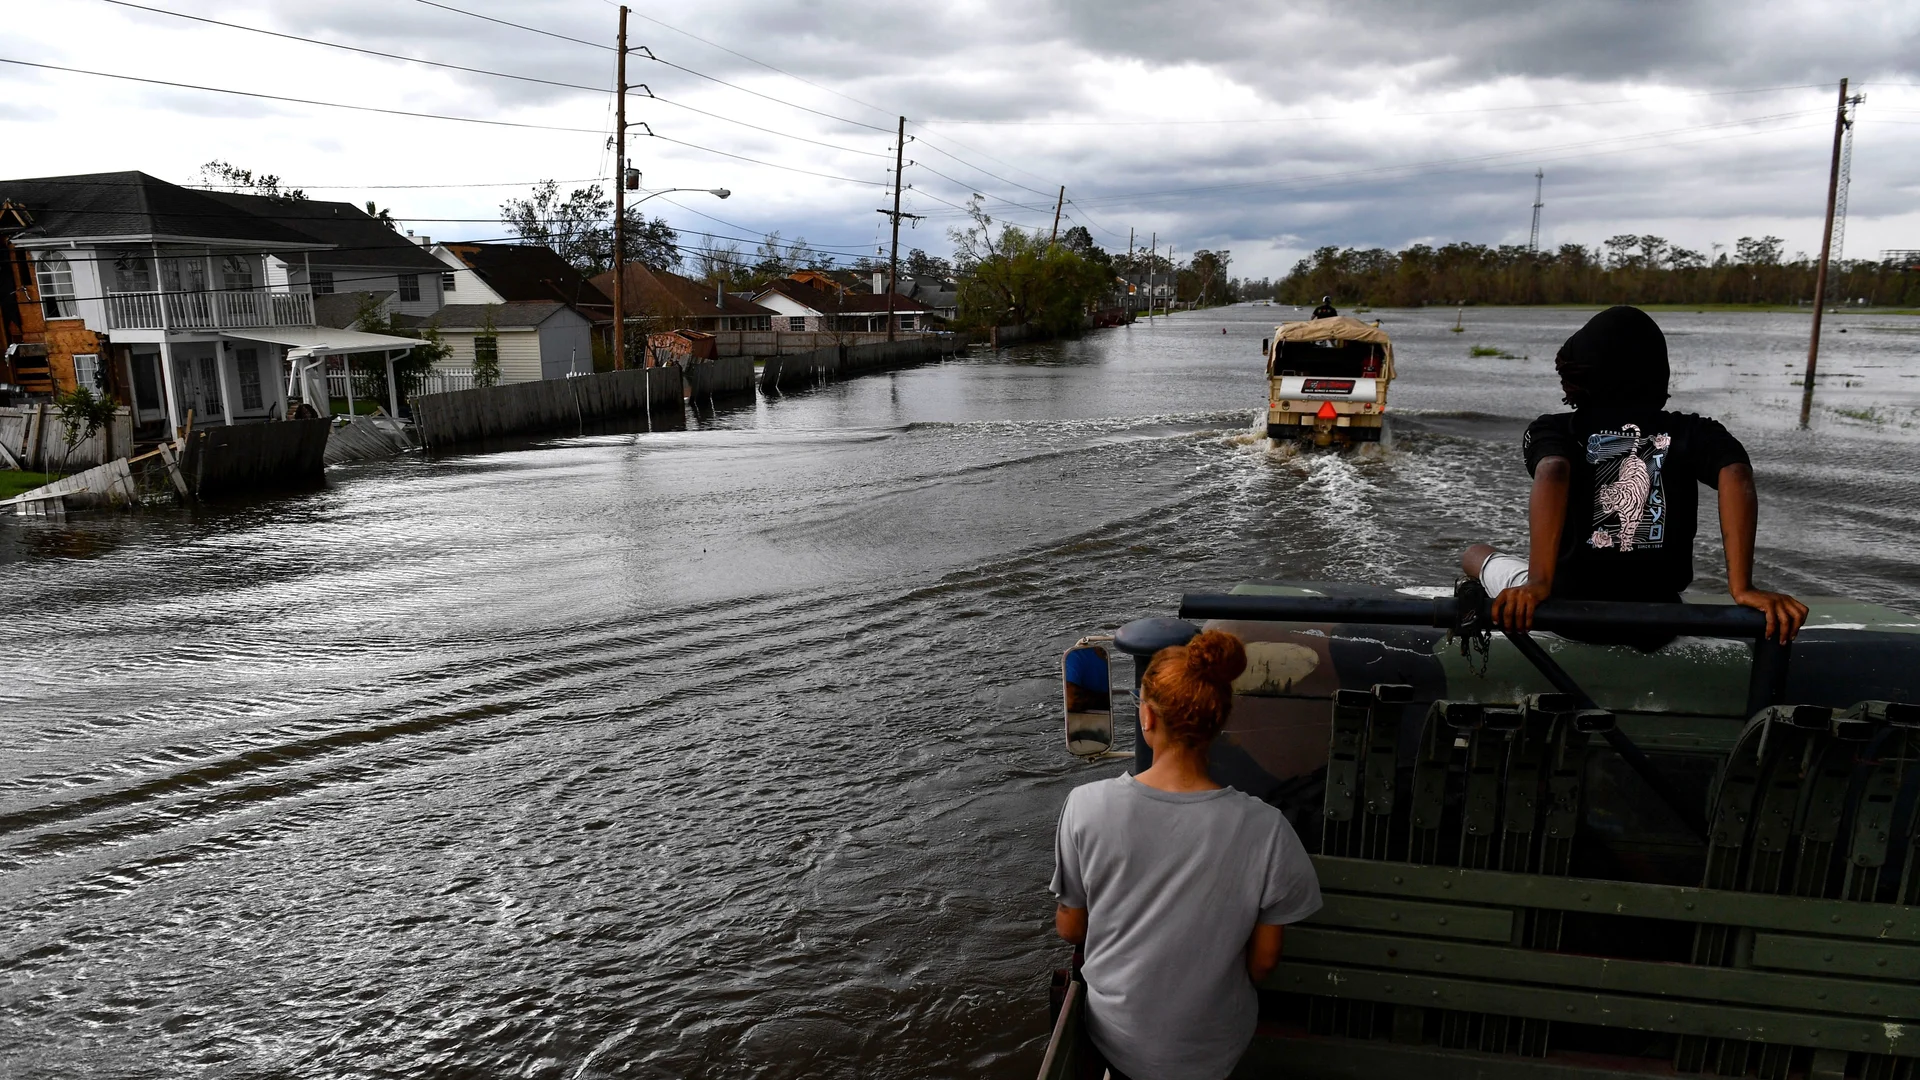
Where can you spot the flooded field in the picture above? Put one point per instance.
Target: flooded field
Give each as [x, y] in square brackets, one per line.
[730, 751]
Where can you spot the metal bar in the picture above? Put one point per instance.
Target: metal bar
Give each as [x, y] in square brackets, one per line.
[1691, 816]
[1833, 918]
[1709, 1020]
[1415, 917]
[1571, 616]
[1739, 986]
[1873, 960]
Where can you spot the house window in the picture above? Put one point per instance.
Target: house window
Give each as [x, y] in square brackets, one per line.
[796, 322]
[759, 322]
[248, 361]
[446, 282]
[56, 287]
[906, 322]
[323, 283]
[486, 350]
[132, 273]
[236, 272]
[409, 288]
[210, 384]
[86, 371]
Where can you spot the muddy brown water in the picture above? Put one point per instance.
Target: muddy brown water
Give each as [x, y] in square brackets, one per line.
[730, 751]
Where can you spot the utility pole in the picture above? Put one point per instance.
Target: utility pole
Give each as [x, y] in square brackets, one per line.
[1153, 271]
[1130, 259]
[1826, 249]
[893, 260]
[620, 201]
[1058, 203]
[1533, 237]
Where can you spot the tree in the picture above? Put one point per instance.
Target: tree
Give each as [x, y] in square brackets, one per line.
[918, 265]
[1762, 252]
[774, 259]
[220, 174]
[722, 262]
[370, 376]
[384, 217]
[576, 227]
[1010, 276]
[652, 244]
[1209, 270]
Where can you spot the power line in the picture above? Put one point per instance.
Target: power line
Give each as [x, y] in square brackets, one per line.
[648, 55]
[519, 26]
[1190, 122]
[300, 101]
[771, 131]
[764, 64]
[769, 164]
[358, 49]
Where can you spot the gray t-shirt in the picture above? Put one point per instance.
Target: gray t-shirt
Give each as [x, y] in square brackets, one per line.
[1173, 884]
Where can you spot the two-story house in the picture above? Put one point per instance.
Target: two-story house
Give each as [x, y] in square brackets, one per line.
[171, 286]
[363, 255]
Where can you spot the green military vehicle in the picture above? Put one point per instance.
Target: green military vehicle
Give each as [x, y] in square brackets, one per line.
[1549, 856]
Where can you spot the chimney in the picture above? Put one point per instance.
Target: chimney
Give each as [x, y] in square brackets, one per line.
[720, 296]
[879, 283]
[425, 241]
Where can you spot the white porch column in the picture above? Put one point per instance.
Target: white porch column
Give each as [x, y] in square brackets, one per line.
[279, 384]
[169, 386]
[346, 365]
[393, 389]
[220, 378]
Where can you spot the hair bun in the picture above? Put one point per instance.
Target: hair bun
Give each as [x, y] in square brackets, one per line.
[1216, 657]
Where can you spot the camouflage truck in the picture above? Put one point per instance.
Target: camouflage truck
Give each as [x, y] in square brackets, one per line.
[1548, 856]
[1327, 381]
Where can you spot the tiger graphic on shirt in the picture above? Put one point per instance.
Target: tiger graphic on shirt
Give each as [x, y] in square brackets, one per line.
[1629, 493]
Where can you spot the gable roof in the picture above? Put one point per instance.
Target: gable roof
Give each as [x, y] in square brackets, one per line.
[852, 303]
[665, 294]
[532, 272]
[357, 238]
[135, 206]
[513, 315]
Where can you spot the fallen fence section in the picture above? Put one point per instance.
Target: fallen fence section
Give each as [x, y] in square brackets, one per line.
[103, 485]
[825, 365]
[728, 376]
[489, 412]
[34, 439]
[363, 438]
[256, 457]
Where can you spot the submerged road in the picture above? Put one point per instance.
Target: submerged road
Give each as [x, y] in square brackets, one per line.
[731, 751]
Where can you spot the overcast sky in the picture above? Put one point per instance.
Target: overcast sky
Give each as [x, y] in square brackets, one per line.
[1265, 128]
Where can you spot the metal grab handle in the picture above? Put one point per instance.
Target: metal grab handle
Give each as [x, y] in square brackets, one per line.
[1559, 616]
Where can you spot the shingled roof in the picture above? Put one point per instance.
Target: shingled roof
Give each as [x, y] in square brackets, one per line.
[831, 303]
[135, 206]
[533, 272]
[357, 238]
[664, 294]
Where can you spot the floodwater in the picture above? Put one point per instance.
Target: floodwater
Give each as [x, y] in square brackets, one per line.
[730, 751]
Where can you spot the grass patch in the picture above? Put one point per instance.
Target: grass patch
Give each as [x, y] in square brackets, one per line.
[1870, 416]
[15, 482]
[1488, 350]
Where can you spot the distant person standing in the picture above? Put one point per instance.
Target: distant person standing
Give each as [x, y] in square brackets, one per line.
[1325, 310]
[1175, 887]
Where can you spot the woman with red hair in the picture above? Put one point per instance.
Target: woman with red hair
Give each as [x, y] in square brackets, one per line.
[1175, 887]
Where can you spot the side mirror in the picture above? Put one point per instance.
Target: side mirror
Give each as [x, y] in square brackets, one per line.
[1086, 676]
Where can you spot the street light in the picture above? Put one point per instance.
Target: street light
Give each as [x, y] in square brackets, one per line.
[620, 263]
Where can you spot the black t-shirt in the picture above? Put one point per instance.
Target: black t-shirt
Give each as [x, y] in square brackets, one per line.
[1631, 503]
[1324, 311]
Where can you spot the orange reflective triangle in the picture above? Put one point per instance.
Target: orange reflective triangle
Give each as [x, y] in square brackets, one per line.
[1327, 411]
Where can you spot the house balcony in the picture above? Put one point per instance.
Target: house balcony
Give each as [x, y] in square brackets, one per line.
[225, 309]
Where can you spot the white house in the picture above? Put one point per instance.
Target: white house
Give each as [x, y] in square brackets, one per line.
[798, 305]
[530, 340]
[361, 253]
[175, 284]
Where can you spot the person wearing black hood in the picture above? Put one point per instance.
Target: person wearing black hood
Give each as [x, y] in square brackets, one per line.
[1325, 310]
[1612, 515]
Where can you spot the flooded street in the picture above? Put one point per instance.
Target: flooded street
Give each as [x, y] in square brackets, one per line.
[731, 751]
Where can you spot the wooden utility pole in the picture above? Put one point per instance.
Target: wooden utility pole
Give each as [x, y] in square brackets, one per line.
[1130, 266]
[893, 260]
[1826, 249]
[1058, 203]
[620, 202]
[1153, 271]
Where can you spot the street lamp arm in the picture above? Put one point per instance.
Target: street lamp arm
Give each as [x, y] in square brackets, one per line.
[718, 192]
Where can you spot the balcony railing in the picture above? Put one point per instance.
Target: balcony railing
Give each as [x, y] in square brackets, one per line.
[227, 309]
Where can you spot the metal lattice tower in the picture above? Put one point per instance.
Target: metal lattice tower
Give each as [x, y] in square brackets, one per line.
[1840, 200]
[1533, 237]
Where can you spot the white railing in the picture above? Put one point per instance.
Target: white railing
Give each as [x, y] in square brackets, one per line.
[226, 309]
[438, 381]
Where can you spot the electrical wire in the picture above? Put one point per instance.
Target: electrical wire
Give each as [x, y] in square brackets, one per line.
[299, 101]
[362, 51]
[519, 26]
[763, 63]
[769, 164]
[648, 55]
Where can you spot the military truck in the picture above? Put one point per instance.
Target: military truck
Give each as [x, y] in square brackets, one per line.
[1579, 853]
[1327, 381]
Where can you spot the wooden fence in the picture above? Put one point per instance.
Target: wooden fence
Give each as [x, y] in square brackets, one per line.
[826, 365]
[489, 412]
[34, 438]
[729, 376]
[256, 457]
